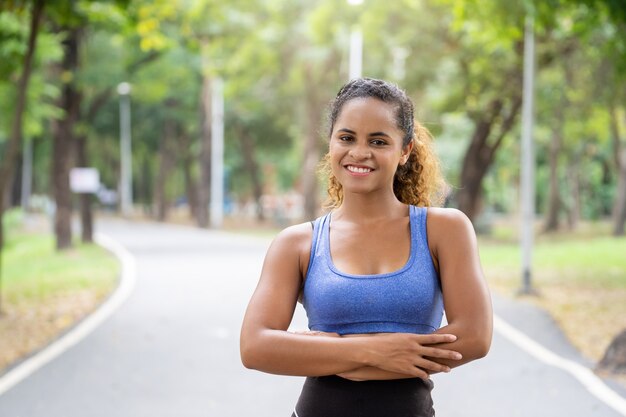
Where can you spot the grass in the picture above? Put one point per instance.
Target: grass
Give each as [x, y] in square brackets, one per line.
[580, 277]
[34, 271]
[44, 291]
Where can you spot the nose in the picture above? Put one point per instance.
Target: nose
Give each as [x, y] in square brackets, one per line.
[360, 152]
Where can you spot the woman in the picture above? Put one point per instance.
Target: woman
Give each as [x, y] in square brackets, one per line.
[373, 275]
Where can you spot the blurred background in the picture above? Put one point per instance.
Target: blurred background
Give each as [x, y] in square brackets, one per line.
[213, 114]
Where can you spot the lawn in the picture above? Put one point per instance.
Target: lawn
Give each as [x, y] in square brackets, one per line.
[43, 291]
[580, 278]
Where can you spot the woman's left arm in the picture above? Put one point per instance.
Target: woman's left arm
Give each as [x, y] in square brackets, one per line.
[466, 298]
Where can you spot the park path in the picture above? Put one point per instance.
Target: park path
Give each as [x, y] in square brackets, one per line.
[172, 348]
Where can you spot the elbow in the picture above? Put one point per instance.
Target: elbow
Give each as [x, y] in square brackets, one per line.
[482, 349]
[248, 354]
[248, 357]
[481, 346]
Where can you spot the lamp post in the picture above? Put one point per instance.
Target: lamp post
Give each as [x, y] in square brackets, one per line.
[356, 47]
[528, 159]
[217, 153]
[126, 175]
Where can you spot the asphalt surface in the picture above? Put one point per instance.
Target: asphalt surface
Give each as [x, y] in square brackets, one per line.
[172, 349]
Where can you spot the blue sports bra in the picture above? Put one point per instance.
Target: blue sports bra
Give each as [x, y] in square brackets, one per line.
[408, 300]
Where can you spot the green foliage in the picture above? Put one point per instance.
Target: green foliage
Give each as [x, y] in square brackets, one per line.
[13, 33]
[41, 92]
[280, 58]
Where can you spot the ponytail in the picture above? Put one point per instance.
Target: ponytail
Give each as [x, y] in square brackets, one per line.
[419, 181]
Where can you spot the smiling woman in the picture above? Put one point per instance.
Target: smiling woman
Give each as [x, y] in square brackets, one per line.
[374, 274]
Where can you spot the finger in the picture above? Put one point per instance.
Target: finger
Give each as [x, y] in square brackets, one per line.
[441, 353]
[420, 373]
[433, 338]
[428, 365]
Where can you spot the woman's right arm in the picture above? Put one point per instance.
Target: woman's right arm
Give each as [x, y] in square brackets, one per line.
[267, 346]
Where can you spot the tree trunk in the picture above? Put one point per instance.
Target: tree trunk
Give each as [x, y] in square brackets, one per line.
[145, 185]
[166, 158]
[7, 162]
[481, 152]
[15, 194]
[191, 187]
[614, 359]
[251, 165]
[204, 186]
[619, 205]
[63, 142]
[85, 199]
[573, 211]
[554, 198]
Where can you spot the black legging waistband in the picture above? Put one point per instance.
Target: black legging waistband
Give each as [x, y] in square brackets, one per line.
[333, 396]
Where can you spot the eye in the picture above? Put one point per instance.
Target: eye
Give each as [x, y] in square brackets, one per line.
[345, 138]
[378, 142]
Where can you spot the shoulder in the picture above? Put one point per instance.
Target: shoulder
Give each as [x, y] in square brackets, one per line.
[293, 243]
[447, 217]
[295, 235]
[448, 225]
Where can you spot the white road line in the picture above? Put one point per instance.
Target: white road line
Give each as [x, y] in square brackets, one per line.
[128, 277]
[584, 375]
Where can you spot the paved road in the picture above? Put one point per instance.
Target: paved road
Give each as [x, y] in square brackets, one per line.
[172, 348]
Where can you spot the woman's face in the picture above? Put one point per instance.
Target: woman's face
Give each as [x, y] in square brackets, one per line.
[366, 146]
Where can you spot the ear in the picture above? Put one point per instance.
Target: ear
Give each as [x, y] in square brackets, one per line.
[406, 152]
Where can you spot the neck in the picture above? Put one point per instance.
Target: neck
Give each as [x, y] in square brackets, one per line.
[368, 207]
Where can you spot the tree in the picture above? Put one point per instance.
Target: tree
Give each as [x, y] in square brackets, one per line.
[12, 148]
[487, 44]
[14, 142]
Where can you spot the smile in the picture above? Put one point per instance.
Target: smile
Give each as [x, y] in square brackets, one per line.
[358, 170]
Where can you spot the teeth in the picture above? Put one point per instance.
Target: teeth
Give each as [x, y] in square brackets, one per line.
[358, 169]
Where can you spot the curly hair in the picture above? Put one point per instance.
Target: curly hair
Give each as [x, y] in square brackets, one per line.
[419, 181]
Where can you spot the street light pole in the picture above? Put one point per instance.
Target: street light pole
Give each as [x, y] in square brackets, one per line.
[528, 159]
[217, 153]
[126, 173]
[356, 47]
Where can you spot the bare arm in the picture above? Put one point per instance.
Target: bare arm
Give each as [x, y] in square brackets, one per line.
[267, 346]
[466, 296]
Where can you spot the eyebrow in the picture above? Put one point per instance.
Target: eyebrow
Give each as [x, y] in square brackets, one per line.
[371, 134]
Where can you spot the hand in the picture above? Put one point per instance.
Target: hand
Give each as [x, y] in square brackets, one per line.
[410, 354]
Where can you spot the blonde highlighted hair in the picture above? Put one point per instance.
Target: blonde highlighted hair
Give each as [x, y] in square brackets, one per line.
[419, 181]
